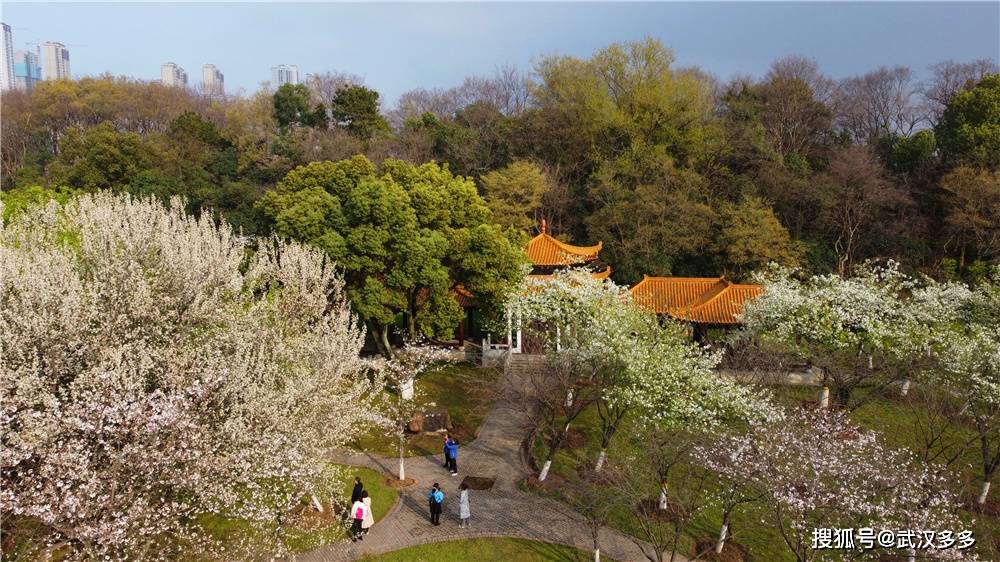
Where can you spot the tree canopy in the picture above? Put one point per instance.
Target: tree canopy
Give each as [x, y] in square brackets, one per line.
[405, 235]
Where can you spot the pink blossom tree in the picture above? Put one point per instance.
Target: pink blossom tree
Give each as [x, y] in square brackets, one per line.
[816, 469]
[156, 369]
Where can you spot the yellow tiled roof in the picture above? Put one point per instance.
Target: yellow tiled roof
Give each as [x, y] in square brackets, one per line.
[706, 300]
[544, 250]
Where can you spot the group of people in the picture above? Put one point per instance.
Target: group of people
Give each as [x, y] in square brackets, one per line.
[435, 497]
[361, 511]
[361, 503]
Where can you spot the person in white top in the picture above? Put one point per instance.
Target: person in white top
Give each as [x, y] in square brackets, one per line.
[369, 519]
[358, 515]
[463, 506]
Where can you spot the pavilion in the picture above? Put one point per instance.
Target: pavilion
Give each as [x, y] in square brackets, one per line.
[702, 302]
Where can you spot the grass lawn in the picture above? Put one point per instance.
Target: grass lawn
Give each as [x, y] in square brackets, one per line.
[305, 530]
[310, 529]
[891, 417]
[462, 388]
[486, 550]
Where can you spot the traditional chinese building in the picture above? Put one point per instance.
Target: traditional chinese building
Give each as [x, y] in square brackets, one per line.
[548, 255]
[705, 302]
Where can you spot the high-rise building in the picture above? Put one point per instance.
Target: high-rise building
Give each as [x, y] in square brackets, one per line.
[284, 74]
[27, 72]
[212, 80]
[55, 59]
[7, 59]
[173, 75]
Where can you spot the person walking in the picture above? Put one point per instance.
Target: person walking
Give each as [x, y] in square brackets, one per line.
[452, 449]
[369, 518]
[435, 498]
[463, 506]
[358, 515]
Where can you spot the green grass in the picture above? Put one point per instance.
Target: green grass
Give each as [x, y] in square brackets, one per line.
[889, 416]
[316, 529]
[462, 388]
[486, 550]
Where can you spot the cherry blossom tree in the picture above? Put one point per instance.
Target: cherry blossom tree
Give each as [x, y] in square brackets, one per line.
[401, 373]
[816, 469]
[873, 329]
[969, 369]
[607, 350]
[157, 369]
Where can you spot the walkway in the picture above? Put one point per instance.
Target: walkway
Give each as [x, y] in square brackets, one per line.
[503, 511]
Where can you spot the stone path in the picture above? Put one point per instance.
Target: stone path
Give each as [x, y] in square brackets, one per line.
[503, 511]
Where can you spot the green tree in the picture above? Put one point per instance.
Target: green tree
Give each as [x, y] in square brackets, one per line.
[292, 106]
[969, 130]
[404, 236]
[515, 193]
[750, 236]
[100, 158]
[356, 109]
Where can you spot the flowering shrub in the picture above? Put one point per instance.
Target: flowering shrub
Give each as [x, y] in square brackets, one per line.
[154, 371]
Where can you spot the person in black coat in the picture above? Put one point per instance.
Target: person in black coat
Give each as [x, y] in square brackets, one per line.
[358, 489]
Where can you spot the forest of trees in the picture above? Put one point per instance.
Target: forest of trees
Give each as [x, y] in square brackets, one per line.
[675, 171]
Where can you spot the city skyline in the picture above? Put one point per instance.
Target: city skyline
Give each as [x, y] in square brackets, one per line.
[408, 51]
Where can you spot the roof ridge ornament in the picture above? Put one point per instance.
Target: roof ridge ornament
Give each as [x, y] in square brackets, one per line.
[544, 227]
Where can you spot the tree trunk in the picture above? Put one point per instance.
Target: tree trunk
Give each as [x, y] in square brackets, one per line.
[381, 336]
[545, 471]
[402, 457]
[316, 502]
[600, 460]
[553, 447]
[597, 555]
[723, 534]
[983, 492]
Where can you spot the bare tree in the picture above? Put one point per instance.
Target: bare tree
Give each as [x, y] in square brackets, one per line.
[878, 104]
[324, 86]
[552, 399]
[595, 497]
[856, 197]
[951, 77]
[662, 523]
[805, 69]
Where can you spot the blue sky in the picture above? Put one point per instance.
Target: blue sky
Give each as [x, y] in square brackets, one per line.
[396, 47]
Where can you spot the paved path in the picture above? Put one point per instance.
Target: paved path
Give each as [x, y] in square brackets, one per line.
[503, 511]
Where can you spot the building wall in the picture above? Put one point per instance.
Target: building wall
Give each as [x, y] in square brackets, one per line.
[6, 59]
[212, 80]
[27, 71]
[284, 74]
[55, 57]
[173, 75]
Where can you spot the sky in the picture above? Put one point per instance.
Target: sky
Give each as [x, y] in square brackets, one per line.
[397, 47]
